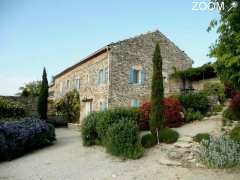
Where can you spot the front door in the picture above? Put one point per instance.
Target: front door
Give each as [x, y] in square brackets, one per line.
[88, 107]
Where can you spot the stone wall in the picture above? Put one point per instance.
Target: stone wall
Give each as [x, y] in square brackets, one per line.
[89, 90]
[30, 103]
[198, 85]
[139, 52]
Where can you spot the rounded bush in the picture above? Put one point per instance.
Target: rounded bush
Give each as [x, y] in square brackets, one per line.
[172, 109]
[168, 135]
[235, 134]
[199, 137]
[220, 152]
[108, 118]
[122, 139]
[148, 140]
[88, 129]
[191, 115]
[231, 115]
[197, 101]
[27, 134]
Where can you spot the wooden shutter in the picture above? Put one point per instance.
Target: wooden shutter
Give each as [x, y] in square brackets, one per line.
[142, 76]
[131, 73]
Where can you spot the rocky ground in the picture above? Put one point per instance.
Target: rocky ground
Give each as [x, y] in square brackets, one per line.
[69, 160]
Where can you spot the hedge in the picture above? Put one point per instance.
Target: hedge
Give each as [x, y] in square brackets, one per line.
[10, 108]
[19, 137]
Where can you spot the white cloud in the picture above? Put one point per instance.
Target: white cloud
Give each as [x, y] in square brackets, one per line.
[9, 84]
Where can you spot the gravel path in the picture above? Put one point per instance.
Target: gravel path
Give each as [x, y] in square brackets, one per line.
[67, 159]
[212, 124]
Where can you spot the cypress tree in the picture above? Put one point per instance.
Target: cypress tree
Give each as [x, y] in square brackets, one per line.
[43, 97]
[157, 94]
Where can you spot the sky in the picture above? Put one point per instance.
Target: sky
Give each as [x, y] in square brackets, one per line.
[58, 33]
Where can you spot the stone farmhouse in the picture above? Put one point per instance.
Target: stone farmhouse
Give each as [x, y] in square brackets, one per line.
[119, 74]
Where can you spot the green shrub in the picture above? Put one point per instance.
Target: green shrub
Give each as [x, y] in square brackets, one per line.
[216, 108]
[199, 137]
[235, 134]
[220, 152]
[122, 139]
[148, 140]
[191, 115]
[215, 89]
[11, 109]
[69, 106]
[230, 114]
[197, 101]
[168, 135]
[88, 129]
[108, 118]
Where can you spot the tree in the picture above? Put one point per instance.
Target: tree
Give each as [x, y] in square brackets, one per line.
[157, 95]
[43, 97]
[30, 89]
[227, 47]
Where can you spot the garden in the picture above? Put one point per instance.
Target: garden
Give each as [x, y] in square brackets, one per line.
[129, 132]
[21, 133]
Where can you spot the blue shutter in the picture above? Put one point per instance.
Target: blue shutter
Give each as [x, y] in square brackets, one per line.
[142, 76]
[131, 72]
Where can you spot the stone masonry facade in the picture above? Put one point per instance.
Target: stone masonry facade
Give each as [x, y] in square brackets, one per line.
[120, 73]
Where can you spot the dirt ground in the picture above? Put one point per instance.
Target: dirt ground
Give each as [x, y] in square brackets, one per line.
[67, 159]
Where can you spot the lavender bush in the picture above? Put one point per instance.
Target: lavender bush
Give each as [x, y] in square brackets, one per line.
[22, 136]
[220, 152]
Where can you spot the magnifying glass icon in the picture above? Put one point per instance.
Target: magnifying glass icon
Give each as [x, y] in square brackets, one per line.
[234, 4]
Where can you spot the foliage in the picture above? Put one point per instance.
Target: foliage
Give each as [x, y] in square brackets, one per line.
[233, 112]
[191, 115]
[197, 101]
[69, 106]
[168, 135]
[235, 134]
[220, 152]
[11, 109]
[217, 108]
[30, 89]
[235, 103]
[148, 140]
[226, 48]
[215, 89]
[230, 114]
[88, 129]
[43, 97]
[157, 94]
[17, 138]
[107, 118]
[172, 109]
[144, 111]
[123, 139]
[198, 73]
[200, 136]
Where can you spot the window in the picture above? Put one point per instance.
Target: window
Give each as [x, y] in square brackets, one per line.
[135, 103]
[77, 83]
[68, 83]
[87, 78]
[61, 87]
[102, 76]
[136, 76]
[106, 75]
[103, 106]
